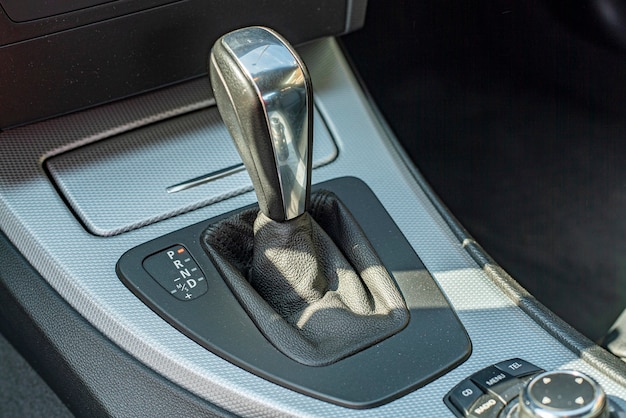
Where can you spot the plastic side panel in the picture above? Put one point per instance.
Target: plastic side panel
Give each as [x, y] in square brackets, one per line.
[24, 10]
[92, 376]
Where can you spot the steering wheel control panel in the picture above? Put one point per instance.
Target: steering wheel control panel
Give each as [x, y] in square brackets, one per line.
[516, 388]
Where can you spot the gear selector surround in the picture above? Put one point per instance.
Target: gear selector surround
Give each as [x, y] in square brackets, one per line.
[432, 343]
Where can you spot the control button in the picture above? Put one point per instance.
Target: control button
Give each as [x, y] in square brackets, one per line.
[518, 368]
[177, 272]
[464, 395]
[498, 383]
[563, 393]
[487, 406]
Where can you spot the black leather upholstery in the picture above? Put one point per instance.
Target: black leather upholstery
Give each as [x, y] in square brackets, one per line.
[313, 285]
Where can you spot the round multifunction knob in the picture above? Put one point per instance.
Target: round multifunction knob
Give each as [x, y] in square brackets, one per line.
[562, 393]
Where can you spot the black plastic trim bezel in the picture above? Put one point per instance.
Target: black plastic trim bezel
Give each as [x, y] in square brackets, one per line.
[433, 342]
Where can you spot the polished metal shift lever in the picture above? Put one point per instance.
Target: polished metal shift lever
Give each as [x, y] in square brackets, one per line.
[263, 92]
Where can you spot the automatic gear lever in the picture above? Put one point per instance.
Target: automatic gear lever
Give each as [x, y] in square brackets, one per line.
[308, 277]
[264, 95]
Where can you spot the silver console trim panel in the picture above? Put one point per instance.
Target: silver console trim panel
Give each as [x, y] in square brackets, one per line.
[125, 181]
[34, 216]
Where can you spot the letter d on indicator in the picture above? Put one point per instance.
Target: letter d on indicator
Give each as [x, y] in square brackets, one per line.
[191, 283]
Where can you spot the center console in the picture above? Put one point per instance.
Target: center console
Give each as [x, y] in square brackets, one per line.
[472, 339]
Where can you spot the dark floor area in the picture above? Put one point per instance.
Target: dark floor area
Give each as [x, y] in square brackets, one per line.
[518, 127]
[23, 393]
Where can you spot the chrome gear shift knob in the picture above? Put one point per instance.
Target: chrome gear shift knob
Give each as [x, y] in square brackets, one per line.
[264, 95]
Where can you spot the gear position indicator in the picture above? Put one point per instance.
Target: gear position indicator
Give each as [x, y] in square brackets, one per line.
[176, 270]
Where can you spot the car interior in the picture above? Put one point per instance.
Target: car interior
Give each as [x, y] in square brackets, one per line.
[312, 208]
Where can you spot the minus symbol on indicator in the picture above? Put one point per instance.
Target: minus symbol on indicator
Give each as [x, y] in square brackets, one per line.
[186, 260]
[174, 291]
[180, 250]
